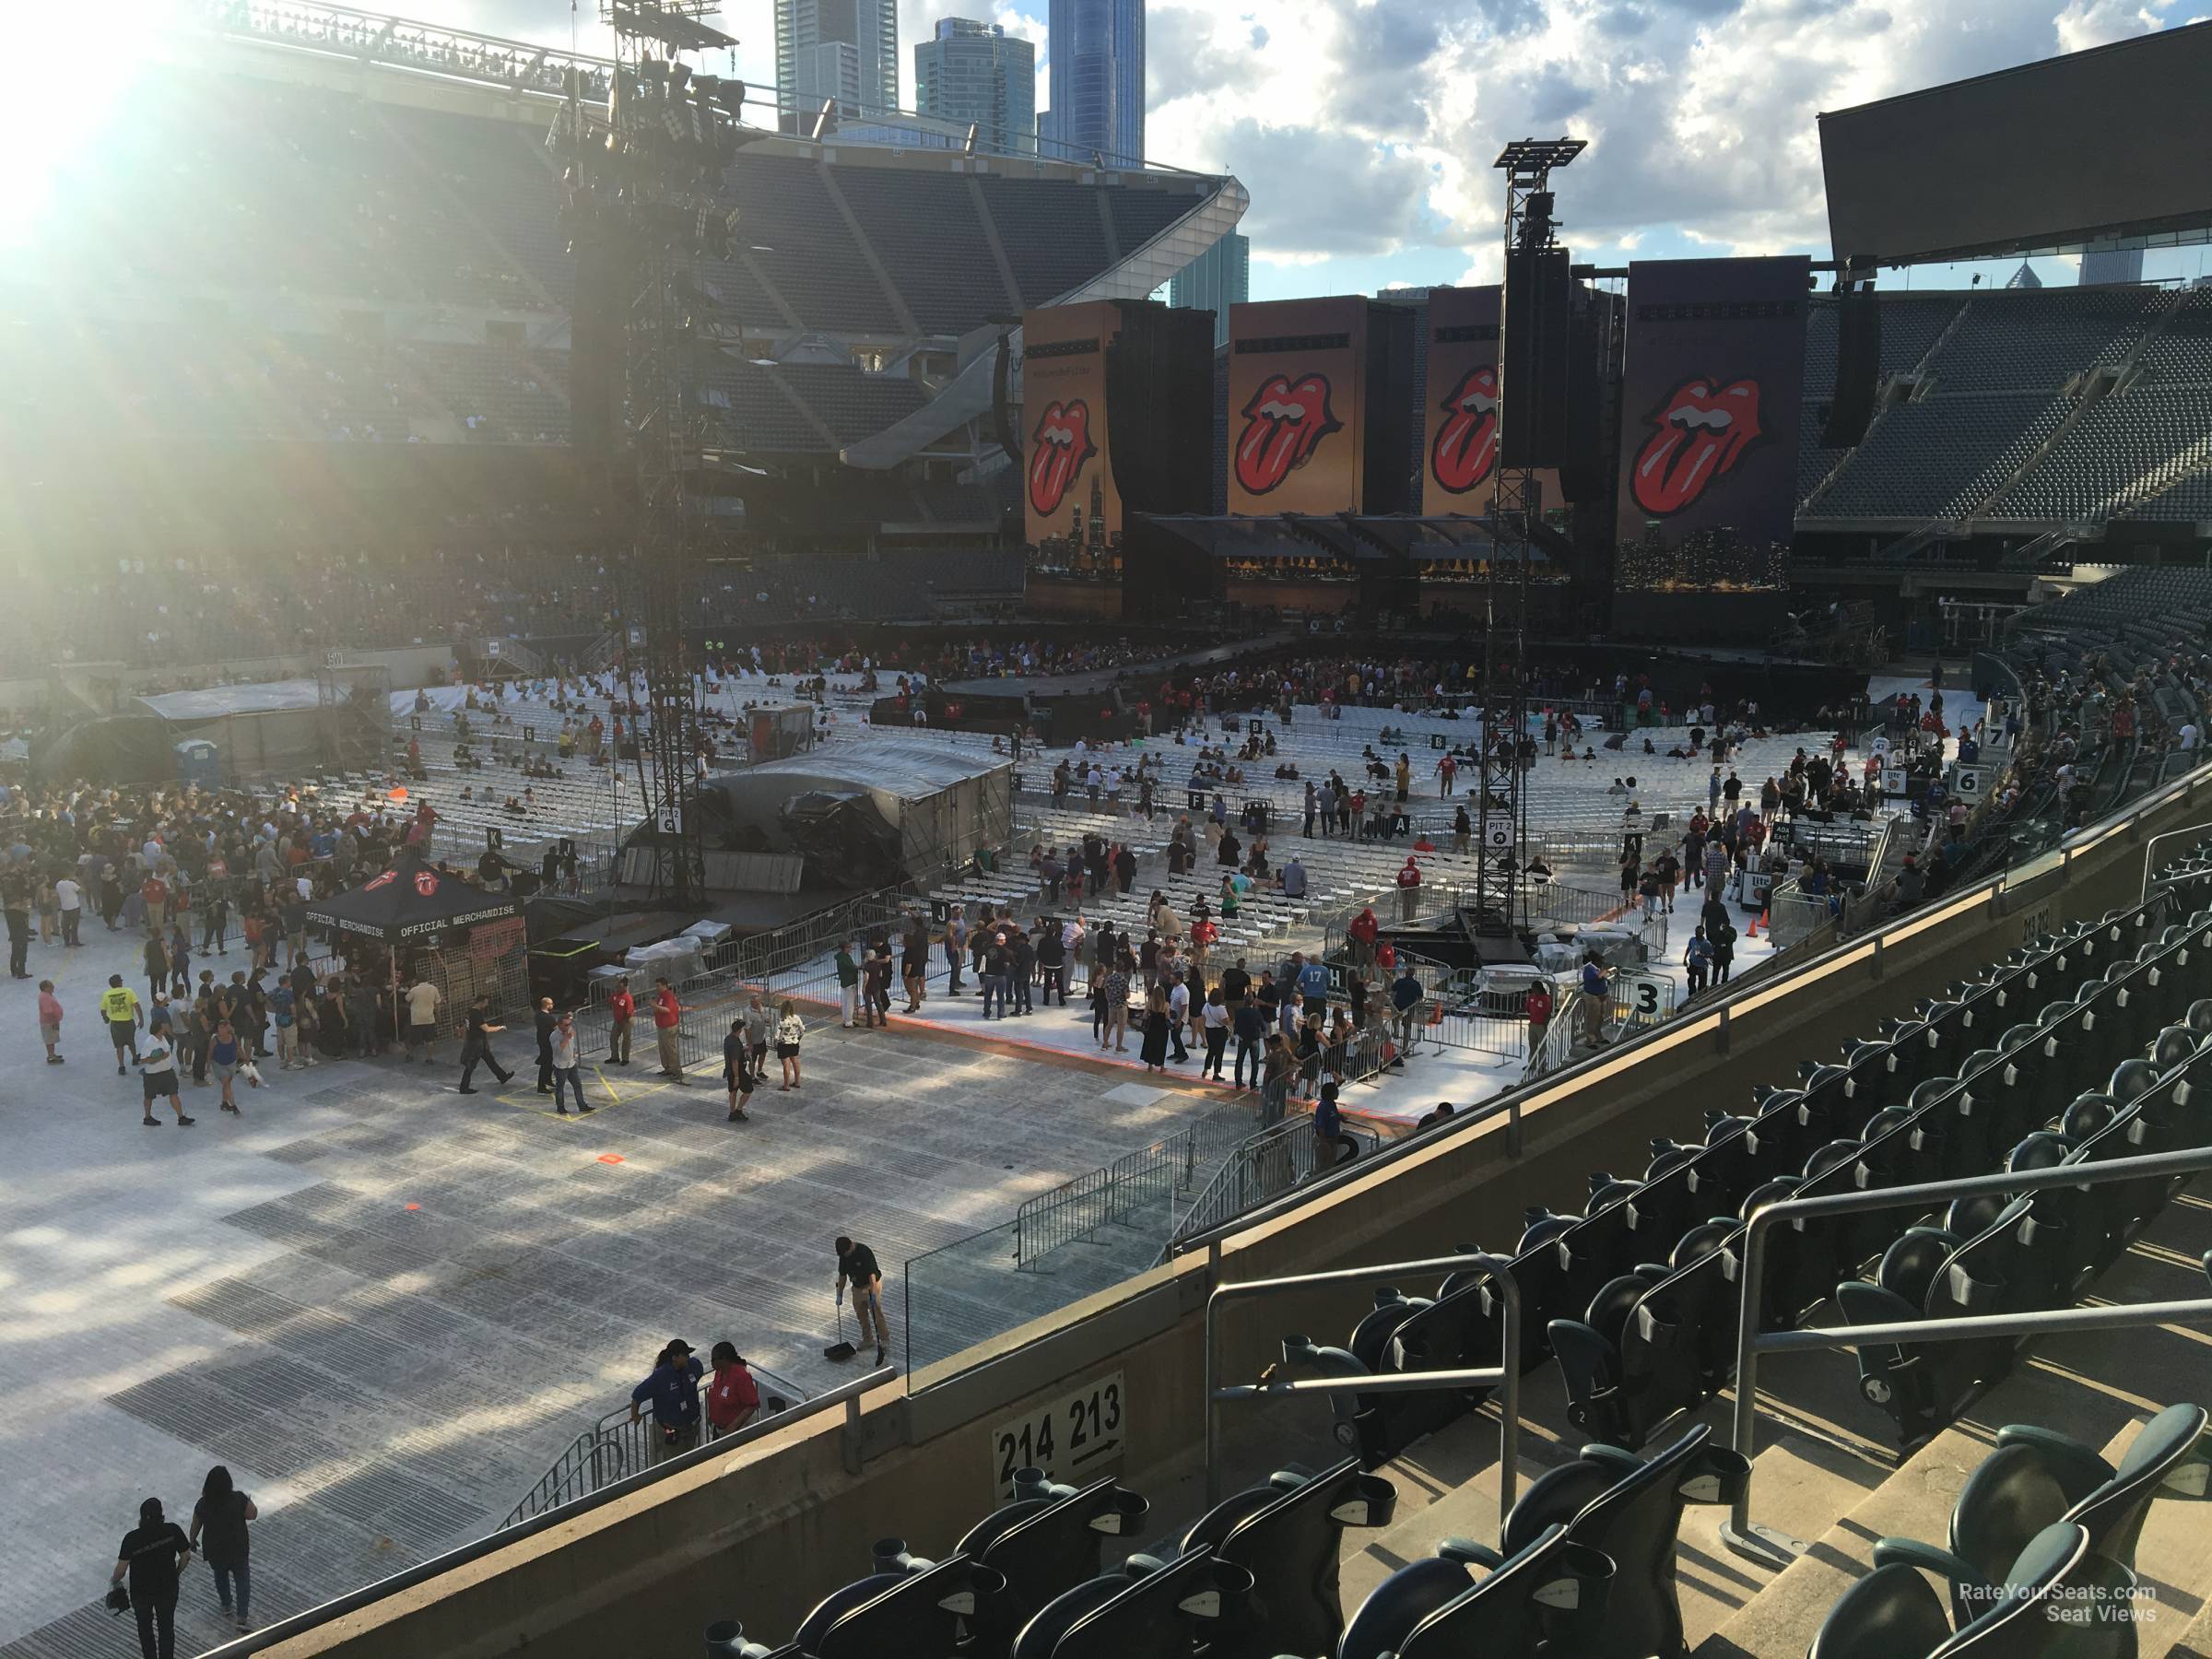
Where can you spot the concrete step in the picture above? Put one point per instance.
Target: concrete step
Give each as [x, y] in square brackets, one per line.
[2196, 1641]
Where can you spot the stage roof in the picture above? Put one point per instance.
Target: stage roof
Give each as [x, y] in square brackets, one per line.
[907, 770]
[1352, 537]
[215, 703]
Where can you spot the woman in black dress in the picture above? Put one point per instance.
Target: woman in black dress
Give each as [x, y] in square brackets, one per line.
[1155, 1052]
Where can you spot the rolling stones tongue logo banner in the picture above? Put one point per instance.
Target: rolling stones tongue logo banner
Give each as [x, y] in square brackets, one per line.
[1067, 467]
[1297, 432]
[1465, 452]
[1714, 389]
[1284, 423]
[1060, 447]
[1697, 434]
[1461, 438]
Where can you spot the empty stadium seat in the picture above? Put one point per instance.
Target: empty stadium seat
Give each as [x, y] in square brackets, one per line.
[1892, 1613]
[1149, 1607]
[1631, 1511]
[2038, 1477]
[1051, 1537]
[1288, 1535]
[908, 1605]
[1548, 1597]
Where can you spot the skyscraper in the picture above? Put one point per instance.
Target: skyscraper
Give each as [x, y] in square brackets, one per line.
[1096, 52]
[863, 77]
[1217, 280]
[976, 73]
[2111, 264]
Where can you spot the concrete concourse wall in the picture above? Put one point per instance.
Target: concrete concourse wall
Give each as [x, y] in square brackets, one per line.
[762, 1535]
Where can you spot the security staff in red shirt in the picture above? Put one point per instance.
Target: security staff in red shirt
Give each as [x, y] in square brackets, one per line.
[666, 1011]
[622, 1006]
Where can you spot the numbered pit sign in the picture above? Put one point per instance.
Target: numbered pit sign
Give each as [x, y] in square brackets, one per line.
[1498, 834]
[1644, 997]
[1075, 1439]
[1967, 782]
[1436, 740]
[669, 820]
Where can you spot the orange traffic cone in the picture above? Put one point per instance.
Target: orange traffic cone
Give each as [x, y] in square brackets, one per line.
[1752, 933]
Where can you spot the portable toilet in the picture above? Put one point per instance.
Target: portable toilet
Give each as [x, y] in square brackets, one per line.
[200, 763]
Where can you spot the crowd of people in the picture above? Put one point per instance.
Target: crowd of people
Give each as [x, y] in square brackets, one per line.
[187, 874]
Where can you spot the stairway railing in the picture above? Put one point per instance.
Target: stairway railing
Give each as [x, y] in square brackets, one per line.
[1504, 1377]
[1770, 1548]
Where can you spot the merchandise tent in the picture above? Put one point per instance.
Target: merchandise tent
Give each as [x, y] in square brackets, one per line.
[432, 923]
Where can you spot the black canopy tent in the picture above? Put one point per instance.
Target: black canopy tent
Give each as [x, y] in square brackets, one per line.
[415, 900]
[467, 941]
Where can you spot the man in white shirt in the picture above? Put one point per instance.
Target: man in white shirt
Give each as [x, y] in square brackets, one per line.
[1179, 1016]
[2189, 735]
[71, 897]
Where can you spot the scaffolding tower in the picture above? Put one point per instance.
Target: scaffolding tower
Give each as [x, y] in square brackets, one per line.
[1500, 891]
[642, 198]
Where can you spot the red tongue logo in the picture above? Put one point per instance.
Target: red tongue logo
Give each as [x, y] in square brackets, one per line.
[1058, 449]
[1697, 433]
[1284, 423]
[1466, 444]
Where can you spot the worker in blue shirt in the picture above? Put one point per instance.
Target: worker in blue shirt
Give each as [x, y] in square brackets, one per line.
[674, 1390]
[1594, 999]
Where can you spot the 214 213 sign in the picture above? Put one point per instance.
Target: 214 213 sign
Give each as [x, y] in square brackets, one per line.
[1075, 1439]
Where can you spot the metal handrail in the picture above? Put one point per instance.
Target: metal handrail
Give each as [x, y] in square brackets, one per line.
[1739, 1531]
[1076, 1208]
[1259, 1151]
[611, 1444]
[1505, 1377]
[846, 1394]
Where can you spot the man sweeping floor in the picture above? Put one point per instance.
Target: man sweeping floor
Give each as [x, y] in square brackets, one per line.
[856, 1268]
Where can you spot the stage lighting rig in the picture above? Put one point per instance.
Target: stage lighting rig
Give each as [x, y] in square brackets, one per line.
[1501, 797]
[642, 194]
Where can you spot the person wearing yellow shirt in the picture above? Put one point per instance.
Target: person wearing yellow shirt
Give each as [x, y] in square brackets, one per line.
[119, 1007]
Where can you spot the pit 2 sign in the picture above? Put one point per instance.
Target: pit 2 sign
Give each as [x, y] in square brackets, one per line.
[1073, 1439]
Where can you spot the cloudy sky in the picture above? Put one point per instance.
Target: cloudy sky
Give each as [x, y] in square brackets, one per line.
[1365, 129]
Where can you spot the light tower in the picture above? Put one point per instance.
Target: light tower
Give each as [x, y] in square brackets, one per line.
[642, 198]
[1501, 813]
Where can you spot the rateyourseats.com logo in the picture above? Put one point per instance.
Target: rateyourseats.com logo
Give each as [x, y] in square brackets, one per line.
[2076, 1604]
